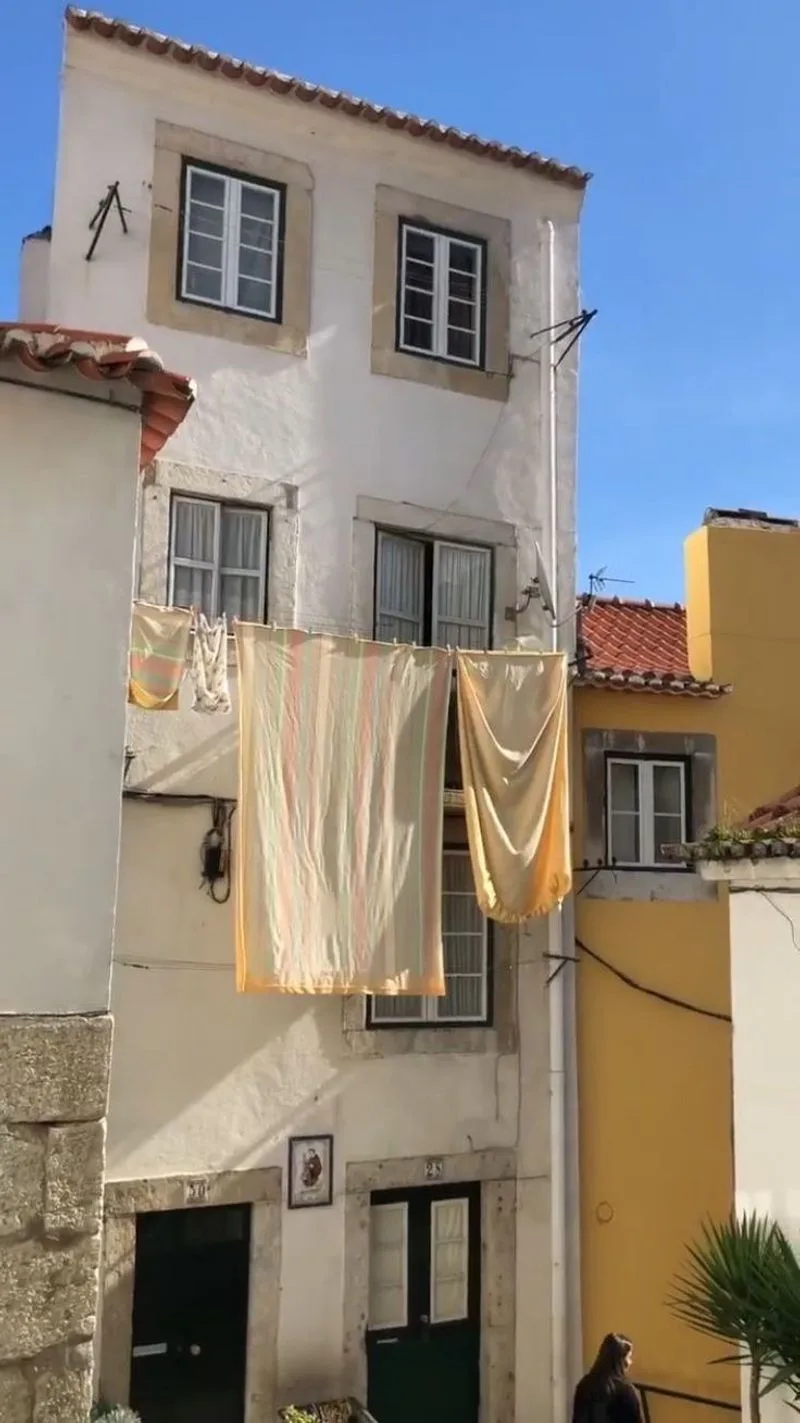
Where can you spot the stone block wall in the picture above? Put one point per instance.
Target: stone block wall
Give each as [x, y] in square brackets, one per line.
[54, 1076]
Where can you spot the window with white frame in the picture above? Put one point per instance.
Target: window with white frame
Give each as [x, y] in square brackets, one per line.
[646, 809]
[432, 592]
[231, 242]
[218, 558]
[441, 295]
[465, 944]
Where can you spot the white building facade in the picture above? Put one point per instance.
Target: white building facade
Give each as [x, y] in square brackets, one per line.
[378, 445]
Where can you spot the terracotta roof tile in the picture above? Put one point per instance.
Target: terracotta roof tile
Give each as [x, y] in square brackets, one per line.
[638, 646]
[100, 355]
[771, 831]
[210, 62]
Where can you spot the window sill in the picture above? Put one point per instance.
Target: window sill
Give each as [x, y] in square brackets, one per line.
[444, 375]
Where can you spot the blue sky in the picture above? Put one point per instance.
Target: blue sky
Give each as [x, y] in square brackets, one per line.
[691, 238]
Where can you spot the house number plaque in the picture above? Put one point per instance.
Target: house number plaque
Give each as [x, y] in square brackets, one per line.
[196, 1192]
[434, 1168]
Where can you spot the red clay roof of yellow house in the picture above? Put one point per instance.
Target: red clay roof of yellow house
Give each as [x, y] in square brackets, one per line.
[771, 831]
[100, 355]
[638, 647]
[210, 62]
[777, 813]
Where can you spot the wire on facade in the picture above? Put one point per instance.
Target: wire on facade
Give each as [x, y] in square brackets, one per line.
[625, 978]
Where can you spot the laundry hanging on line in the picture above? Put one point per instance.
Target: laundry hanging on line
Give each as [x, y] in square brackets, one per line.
[341, 773]
[512, 722]
[209, 669]
[158, 648]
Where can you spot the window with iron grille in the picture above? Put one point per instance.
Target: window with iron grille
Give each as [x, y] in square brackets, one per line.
[432, 592]
[218, 558]
[466, 947]
[646, 809]
[441, 295]
[231, 242]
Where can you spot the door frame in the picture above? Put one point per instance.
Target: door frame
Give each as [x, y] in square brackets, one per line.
[124, 1200]
[496, 1172]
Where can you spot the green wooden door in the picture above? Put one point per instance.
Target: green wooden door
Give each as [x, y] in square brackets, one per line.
[423, 1335]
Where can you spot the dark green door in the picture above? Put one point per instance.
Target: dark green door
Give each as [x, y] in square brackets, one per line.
[190, 1315]
[423, 1336]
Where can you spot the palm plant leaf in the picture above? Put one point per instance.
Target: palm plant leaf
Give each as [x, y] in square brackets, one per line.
[727, 1286]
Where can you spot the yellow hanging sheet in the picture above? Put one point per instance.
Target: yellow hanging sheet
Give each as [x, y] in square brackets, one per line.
[341, 774]
[512, 721]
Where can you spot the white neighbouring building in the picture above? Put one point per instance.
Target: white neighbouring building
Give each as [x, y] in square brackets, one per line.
[79, 413]
[761, 868]
[378, 445]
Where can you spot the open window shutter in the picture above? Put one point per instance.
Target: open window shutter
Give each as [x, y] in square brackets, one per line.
[400, 591]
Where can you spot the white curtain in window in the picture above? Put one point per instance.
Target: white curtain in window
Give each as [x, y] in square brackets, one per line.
[449, 1260]
[241, 564]
[401, 589]
[461, 596]
[194, 554]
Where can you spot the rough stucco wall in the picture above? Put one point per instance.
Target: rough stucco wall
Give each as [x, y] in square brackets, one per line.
[66, 570]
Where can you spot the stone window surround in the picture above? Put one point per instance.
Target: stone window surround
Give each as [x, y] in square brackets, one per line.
[493, 381]
[496, 1170]
[124, 1200]
[173, 146]
[374, 514]
[669, 883]
[167, 477]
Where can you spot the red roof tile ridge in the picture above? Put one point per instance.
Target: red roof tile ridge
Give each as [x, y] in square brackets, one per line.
[212, 61]
[167, 397]
[647, 605]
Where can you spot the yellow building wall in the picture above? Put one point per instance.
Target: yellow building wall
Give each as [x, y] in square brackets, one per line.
[655, 1080]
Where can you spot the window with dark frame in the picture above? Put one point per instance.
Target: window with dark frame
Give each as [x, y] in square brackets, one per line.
[441, 295]
[432, 592]
[466, 944]
[231, 228]
[218, 558]
[646, 809]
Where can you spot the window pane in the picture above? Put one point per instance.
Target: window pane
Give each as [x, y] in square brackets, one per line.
[203, 283]
[419, 275]
[386, 1007]
[625, 843]
[241, 597]
[419, 245]
[194, 523]
[194, 588]
[668, 790]
[387, 1266]
[625, 785]
[462, 596]
[206, 251]
[463, 257]
[241, 539]
[461, 346]
[418, 334]
[667, 830]
[206, 221]
[449, 1260]
[419, 305]
[254, 296]
[206, 188]
[253, 262]
[400, 590]
[259, 203]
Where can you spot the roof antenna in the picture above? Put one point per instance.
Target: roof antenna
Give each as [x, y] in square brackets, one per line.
[599, 581]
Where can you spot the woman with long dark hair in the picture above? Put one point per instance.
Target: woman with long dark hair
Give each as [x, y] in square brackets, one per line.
[604, 1395]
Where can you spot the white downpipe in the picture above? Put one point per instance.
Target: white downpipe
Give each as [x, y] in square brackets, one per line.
[556, 996]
